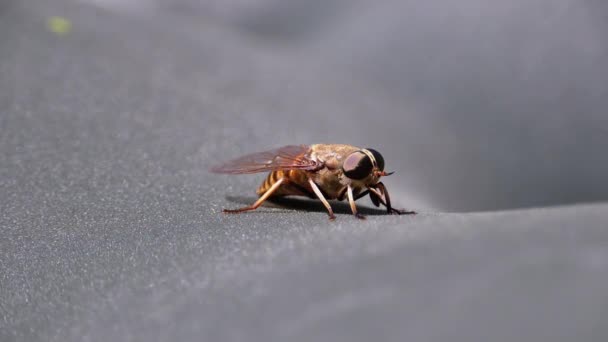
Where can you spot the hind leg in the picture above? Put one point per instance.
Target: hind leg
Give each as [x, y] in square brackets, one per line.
[260, 200]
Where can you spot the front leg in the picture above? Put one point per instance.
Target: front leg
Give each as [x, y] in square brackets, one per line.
[342, 194]
[351, 201]
[387, 200]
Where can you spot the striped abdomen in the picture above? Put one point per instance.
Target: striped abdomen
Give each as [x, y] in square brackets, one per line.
[296, 183]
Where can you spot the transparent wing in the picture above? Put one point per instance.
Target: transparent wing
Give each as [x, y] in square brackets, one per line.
[283, 158]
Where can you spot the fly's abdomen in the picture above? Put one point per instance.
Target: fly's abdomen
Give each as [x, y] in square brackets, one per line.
[296, 183]
[272, 178]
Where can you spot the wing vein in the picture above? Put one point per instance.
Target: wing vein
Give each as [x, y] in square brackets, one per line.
[284, 158]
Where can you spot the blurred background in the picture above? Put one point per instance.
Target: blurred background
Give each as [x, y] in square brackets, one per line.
[112, 111]
[477, 105]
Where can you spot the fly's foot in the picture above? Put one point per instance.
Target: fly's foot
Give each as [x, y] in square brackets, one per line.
[236, 211]
[394, 211]
[360, 216]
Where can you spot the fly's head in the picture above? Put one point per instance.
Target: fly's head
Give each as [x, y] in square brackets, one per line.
[364, 167]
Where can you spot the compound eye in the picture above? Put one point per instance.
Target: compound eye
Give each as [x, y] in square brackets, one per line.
[378, 157]
[357, 166]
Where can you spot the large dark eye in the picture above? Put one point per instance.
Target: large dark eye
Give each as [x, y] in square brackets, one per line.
[378, 157]
[357, 166]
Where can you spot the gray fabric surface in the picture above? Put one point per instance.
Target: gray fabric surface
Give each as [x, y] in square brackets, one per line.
[493, 116]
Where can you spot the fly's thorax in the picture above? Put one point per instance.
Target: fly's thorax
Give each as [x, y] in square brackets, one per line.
[329, 181]
[332, 155]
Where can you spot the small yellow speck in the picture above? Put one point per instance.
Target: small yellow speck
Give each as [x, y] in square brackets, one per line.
[58, 25]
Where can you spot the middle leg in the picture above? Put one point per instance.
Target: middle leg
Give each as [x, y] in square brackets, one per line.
[319, 194]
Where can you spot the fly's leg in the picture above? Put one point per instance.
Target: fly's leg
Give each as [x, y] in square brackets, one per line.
[387, 200]
[362, 194]
[260, 200]
[353, 206]
[317, 191]
[343, 194]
